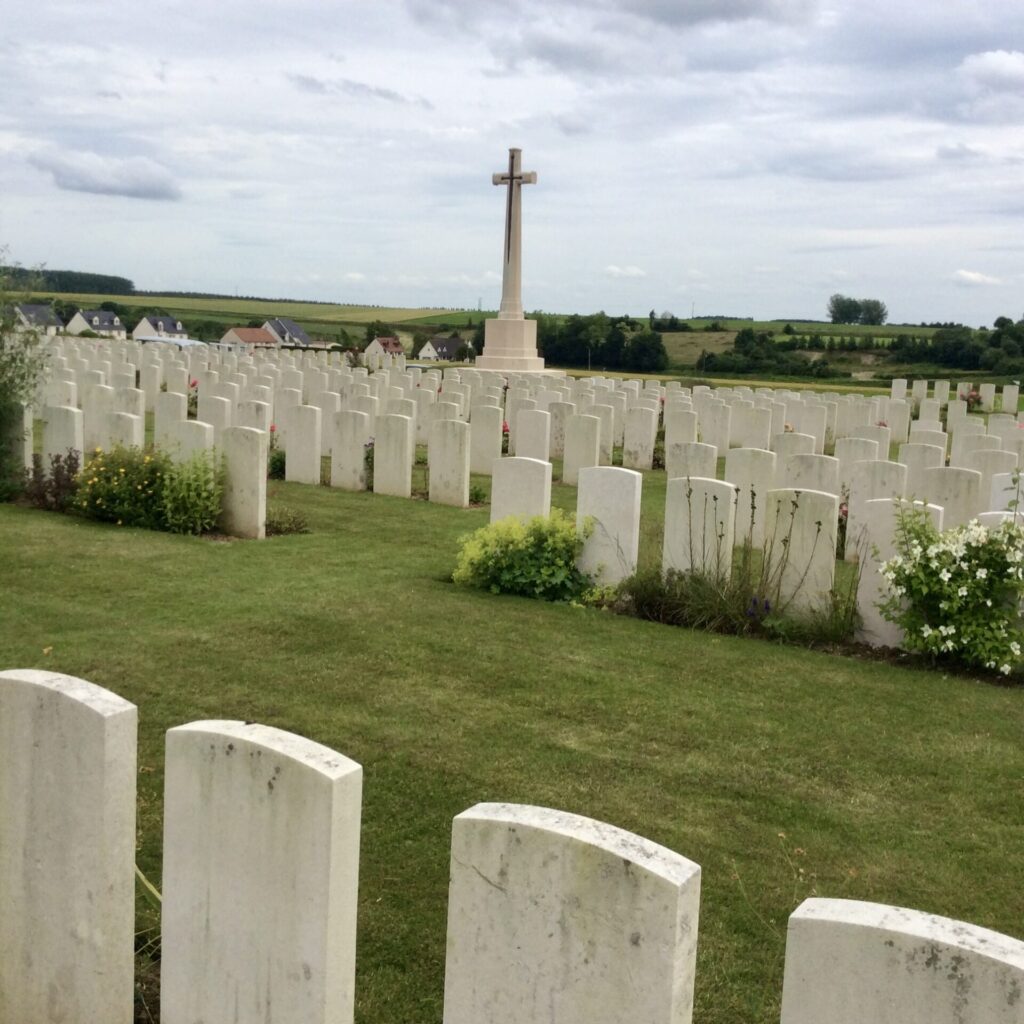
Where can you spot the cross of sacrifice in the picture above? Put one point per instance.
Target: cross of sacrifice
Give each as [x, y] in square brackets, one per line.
[511, 277]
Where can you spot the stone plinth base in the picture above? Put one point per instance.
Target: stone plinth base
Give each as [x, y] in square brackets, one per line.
[509, 346]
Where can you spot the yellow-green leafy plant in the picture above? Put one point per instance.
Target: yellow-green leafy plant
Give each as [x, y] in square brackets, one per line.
[192, 493]
[536, 558]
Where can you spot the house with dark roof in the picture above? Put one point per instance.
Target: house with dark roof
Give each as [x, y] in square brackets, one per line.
[249, 337]
[153, 326]
[287, 332]
[447, 349]
[38, 318]
[99, 321]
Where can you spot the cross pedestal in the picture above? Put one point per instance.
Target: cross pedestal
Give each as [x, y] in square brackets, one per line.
[510, 341]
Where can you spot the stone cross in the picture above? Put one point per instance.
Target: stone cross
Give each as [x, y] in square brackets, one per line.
[511, 277]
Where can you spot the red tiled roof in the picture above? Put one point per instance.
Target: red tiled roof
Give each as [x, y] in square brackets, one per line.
[253, 335]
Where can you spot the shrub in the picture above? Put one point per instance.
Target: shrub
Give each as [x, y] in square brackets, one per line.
[477, 494]
[54, 490]
[368, 463]
[956, 595]
[532, 559]
[124, 486]
[276, 464]
[191, 494]
[282, 520]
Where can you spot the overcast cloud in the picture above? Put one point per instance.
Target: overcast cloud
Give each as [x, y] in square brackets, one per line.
[727, 157]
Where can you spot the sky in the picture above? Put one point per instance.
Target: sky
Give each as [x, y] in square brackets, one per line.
[716, 157]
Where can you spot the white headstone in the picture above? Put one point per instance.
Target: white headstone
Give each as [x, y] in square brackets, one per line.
[752, 472]
[849, 962]
[696, 459]
[800, 547]
[352, 433]
[67, 850]
[485, 438]
[641, 428]
[62, 431]
[533, 436]
[244, 501]
[393, 452]
[556, 917]
[700, 520]
[302, 444]
[260, 876]
[520, 487]
[610, 497]
[449, 462]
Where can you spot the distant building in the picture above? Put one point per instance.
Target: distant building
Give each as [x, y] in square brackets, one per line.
[153, 326]
[447, 349]
[99, 321]
[386, 346]
[287, 332]
[249, 336]
[38, 318]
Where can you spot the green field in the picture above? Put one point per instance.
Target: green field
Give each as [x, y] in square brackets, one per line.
[782, 772]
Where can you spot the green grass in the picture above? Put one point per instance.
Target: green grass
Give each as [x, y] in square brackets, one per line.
[782, 772]
[234, 310]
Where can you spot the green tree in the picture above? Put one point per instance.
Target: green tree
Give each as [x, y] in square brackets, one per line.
[376, 329]
[873, 312]
[22, 363]
[843, 310]
[419, 338]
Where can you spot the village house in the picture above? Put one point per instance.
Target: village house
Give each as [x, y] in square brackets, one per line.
[99, 321]
[153, 326]
[386, 346]
[38, 318]
[287, 332]
[249, 337]
[443, 349]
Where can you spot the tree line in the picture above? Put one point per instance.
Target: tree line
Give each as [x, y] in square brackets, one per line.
[600, 342]
[67, 281]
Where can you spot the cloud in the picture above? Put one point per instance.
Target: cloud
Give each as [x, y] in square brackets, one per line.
[628, 271]
[959, 151]
[354, 276]
[995, 70]
[136, 177]
[692, 12]
[350, 87]
[974, 279]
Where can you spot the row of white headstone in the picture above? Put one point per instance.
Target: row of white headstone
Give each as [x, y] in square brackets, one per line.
[460, 416]
[551, 916]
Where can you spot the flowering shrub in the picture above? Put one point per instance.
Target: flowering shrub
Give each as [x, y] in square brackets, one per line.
[193, 398]
[957, 594]
[124, 486]
[532, 559]
[973, 400]
[504, 437]
[132, 487]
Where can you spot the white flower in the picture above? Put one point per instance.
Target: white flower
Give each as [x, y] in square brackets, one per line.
[926, 631]
[988, 602]
[1005, 669]
[962, 592]
[1015, 648]
[981, 573]
[945, 575]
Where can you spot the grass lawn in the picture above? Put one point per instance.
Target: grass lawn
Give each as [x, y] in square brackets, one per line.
[782, 772]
